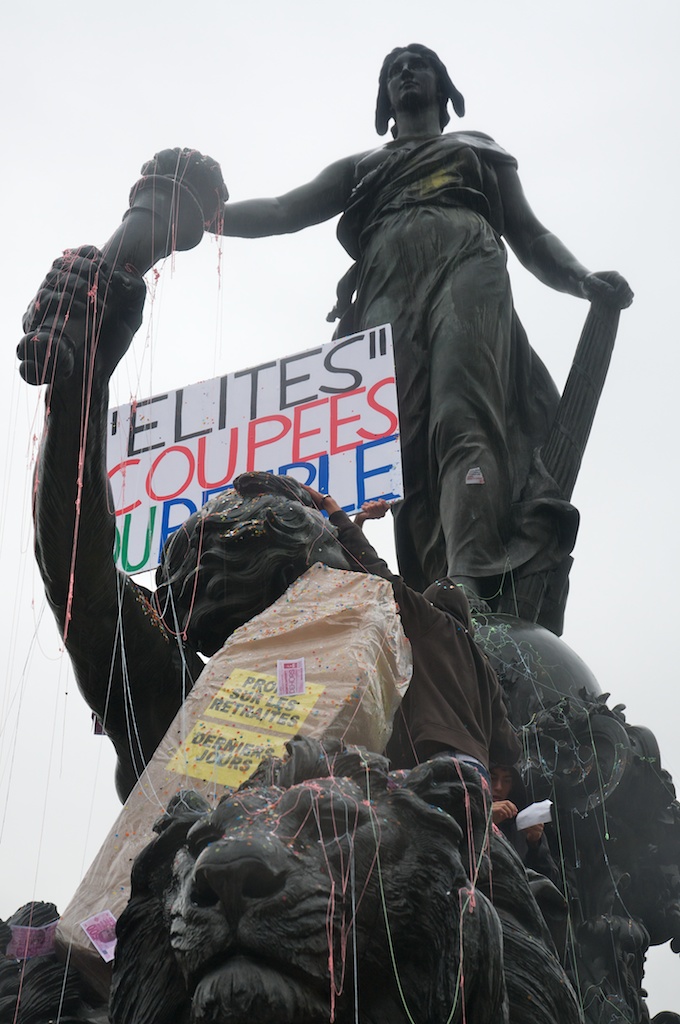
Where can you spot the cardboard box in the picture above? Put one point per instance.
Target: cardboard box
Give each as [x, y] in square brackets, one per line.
[357, 666]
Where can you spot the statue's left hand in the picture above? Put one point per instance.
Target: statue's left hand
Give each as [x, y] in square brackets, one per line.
[608, 286]
[83, 311]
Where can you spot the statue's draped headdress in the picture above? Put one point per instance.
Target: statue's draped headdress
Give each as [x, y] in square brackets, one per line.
[447, 90]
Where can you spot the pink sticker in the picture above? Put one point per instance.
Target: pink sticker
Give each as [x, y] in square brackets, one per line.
[101, 931]
[27, 942]
[474, 476]
[290, 677]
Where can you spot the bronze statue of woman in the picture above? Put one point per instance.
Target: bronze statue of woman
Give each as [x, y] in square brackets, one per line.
[424, 218]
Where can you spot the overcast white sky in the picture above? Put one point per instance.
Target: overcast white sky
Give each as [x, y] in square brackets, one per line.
[584, 94]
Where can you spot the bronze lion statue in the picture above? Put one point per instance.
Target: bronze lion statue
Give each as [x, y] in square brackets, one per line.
[329, 889]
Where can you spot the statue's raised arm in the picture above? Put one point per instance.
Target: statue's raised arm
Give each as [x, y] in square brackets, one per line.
[131, 670]
[78, 327]
[320, 199]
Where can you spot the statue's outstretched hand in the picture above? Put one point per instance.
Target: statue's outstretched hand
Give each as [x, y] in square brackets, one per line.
[608, 286]
[81, 321]
[200, 174]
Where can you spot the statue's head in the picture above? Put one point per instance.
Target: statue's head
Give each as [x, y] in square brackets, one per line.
[238, 554]
[446, 90]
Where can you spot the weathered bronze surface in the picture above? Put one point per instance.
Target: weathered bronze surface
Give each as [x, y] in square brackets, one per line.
[422, 217]
[327, 889]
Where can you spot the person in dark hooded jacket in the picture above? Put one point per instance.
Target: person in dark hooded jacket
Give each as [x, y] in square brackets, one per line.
[531, 844]
[454, 703]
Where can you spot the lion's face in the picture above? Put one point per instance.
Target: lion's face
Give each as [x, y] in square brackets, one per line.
[263, 901]
[313, 903]
[276, 907]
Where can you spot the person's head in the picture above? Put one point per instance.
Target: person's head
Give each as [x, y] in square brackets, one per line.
[449, 597]
[502, 781]
[418, 60]
[238, 554]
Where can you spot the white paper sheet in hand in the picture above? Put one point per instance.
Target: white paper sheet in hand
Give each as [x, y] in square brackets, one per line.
[534, 814]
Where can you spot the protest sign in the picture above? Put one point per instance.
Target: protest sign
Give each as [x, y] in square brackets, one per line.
[228, 741]
[327, 416]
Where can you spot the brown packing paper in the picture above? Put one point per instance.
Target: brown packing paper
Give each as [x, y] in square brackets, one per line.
[357, 668]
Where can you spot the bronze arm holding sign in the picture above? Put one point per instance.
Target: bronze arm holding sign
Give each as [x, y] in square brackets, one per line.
[131, 670]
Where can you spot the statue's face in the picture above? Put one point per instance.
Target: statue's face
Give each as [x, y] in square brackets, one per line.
[411, 82]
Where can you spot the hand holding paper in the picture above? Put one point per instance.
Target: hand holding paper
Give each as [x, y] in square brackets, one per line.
[534, 814]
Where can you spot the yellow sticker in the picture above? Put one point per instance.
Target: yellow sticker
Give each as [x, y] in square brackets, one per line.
[227, 743]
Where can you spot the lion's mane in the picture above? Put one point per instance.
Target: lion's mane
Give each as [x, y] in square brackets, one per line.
[328, 888]
[234, 558]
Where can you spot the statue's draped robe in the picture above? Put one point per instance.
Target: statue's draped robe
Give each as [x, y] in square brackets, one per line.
[475, 401]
